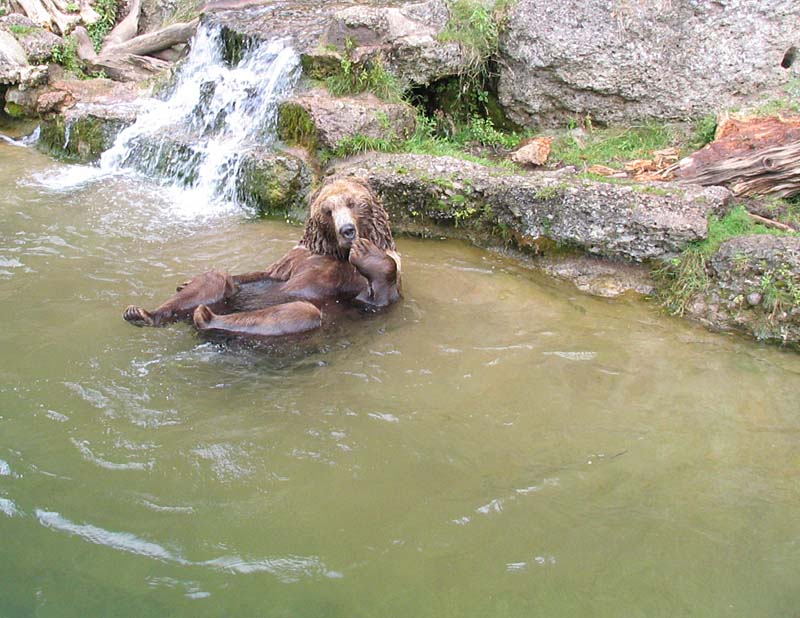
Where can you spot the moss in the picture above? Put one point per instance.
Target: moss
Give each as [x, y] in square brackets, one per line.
[14, 110]
[234, 46]
[81, 140]
[277, 186]
[295, 126]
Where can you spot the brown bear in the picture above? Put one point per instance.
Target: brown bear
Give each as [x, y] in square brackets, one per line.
[347, 254]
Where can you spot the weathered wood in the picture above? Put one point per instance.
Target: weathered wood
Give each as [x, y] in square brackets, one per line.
[128, 67]
[126, 29]
[771, 223]
[155, 41]
[85, 49]
[758, 156]
[36, 11]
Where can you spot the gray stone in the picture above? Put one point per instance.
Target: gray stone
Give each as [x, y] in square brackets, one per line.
[277, 184]
[635, 222]
[754, 287]
[37, 42]
[627, 61]
[12, 54]
[406, 37]
[317, 119]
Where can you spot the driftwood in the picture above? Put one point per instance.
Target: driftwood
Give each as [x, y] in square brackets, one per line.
[127, 28]
[47, 14]
[758, 156]
[154, 41]
[85, 49]
[771, 223]
[128, 67]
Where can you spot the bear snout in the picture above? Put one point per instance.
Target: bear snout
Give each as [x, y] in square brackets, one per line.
[348, 231]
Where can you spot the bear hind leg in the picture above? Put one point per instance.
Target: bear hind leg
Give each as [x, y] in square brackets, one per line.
[293, 318]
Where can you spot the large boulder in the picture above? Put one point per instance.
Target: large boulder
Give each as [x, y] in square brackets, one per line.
[318, 120]
[627, 61]
[634, 222]
[406, 37]
[37, 43]
[753, 287]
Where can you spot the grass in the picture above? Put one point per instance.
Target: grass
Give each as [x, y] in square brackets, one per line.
[21, 30]
[687, 275]
[370, 76]
[610, 147]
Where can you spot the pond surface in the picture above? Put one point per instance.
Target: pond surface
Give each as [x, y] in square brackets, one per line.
[496, 445]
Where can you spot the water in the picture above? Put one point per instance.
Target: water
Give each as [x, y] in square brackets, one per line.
[497, 445]
[197, 138]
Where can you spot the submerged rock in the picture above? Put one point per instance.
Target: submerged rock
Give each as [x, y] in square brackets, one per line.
[628, 61]
[753, 287]
[634, 222]
[275, 183]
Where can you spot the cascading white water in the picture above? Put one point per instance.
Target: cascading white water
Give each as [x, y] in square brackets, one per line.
[196, 139]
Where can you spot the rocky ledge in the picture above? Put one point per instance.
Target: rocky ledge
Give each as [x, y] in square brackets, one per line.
[541, 210]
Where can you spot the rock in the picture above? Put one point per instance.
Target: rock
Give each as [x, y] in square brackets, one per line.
[12, 54]
[599, 277]
[316, 119]
[405, 36]
[622, 62]
[37, 43]
[634, 222]
[98, 109]
[533, 152]
[276, 183]
[754, 287]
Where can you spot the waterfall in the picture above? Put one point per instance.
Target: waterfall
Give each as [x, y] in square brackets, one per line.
[197, 138]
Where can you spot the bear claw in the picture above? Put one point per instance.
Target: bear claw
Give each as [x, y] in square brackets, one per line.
[202, 317]
[138, 316]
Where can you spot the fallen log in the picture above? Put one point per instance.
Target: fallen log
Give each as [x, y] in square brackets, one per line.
[756, 156]
[126, 29]
[128, 67]
[85, 47]
[156, 41]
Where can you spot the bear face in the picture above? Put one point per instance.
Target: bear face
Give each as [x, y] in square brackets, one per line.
[342, 211]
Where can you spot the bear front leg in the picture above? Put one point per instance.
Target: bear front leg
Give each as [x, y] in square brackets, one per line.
[210, 288]
[381, 271]
[293, 318]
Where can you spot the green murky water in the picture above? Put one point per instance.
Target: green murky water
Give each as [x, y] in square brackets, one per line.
[498, 445]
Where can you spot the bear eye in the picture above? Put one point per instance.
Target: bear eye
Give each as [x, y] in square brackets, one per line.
[326, 210]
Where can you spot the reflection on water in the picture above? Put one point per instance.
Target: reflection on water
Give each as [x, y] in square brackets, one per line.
[497, 444]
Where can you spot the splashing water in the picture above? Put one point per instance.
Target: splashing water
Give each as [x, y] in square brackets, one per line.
[197, 139]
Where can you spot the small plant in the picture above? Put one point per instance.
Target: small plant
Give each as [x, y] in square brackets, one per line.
[21, 30]
[703, 132]
[371, 76]
[72, 7]
[686, 276]
[483, 131]
[67, 56]
[107, 9]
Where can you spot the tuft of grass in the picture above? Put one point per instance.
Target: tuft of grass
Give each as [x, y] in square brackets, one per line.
[371, 76]
[67, 56]
[611, 146]
[703, 131]
[21, 30]
[687, 275]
